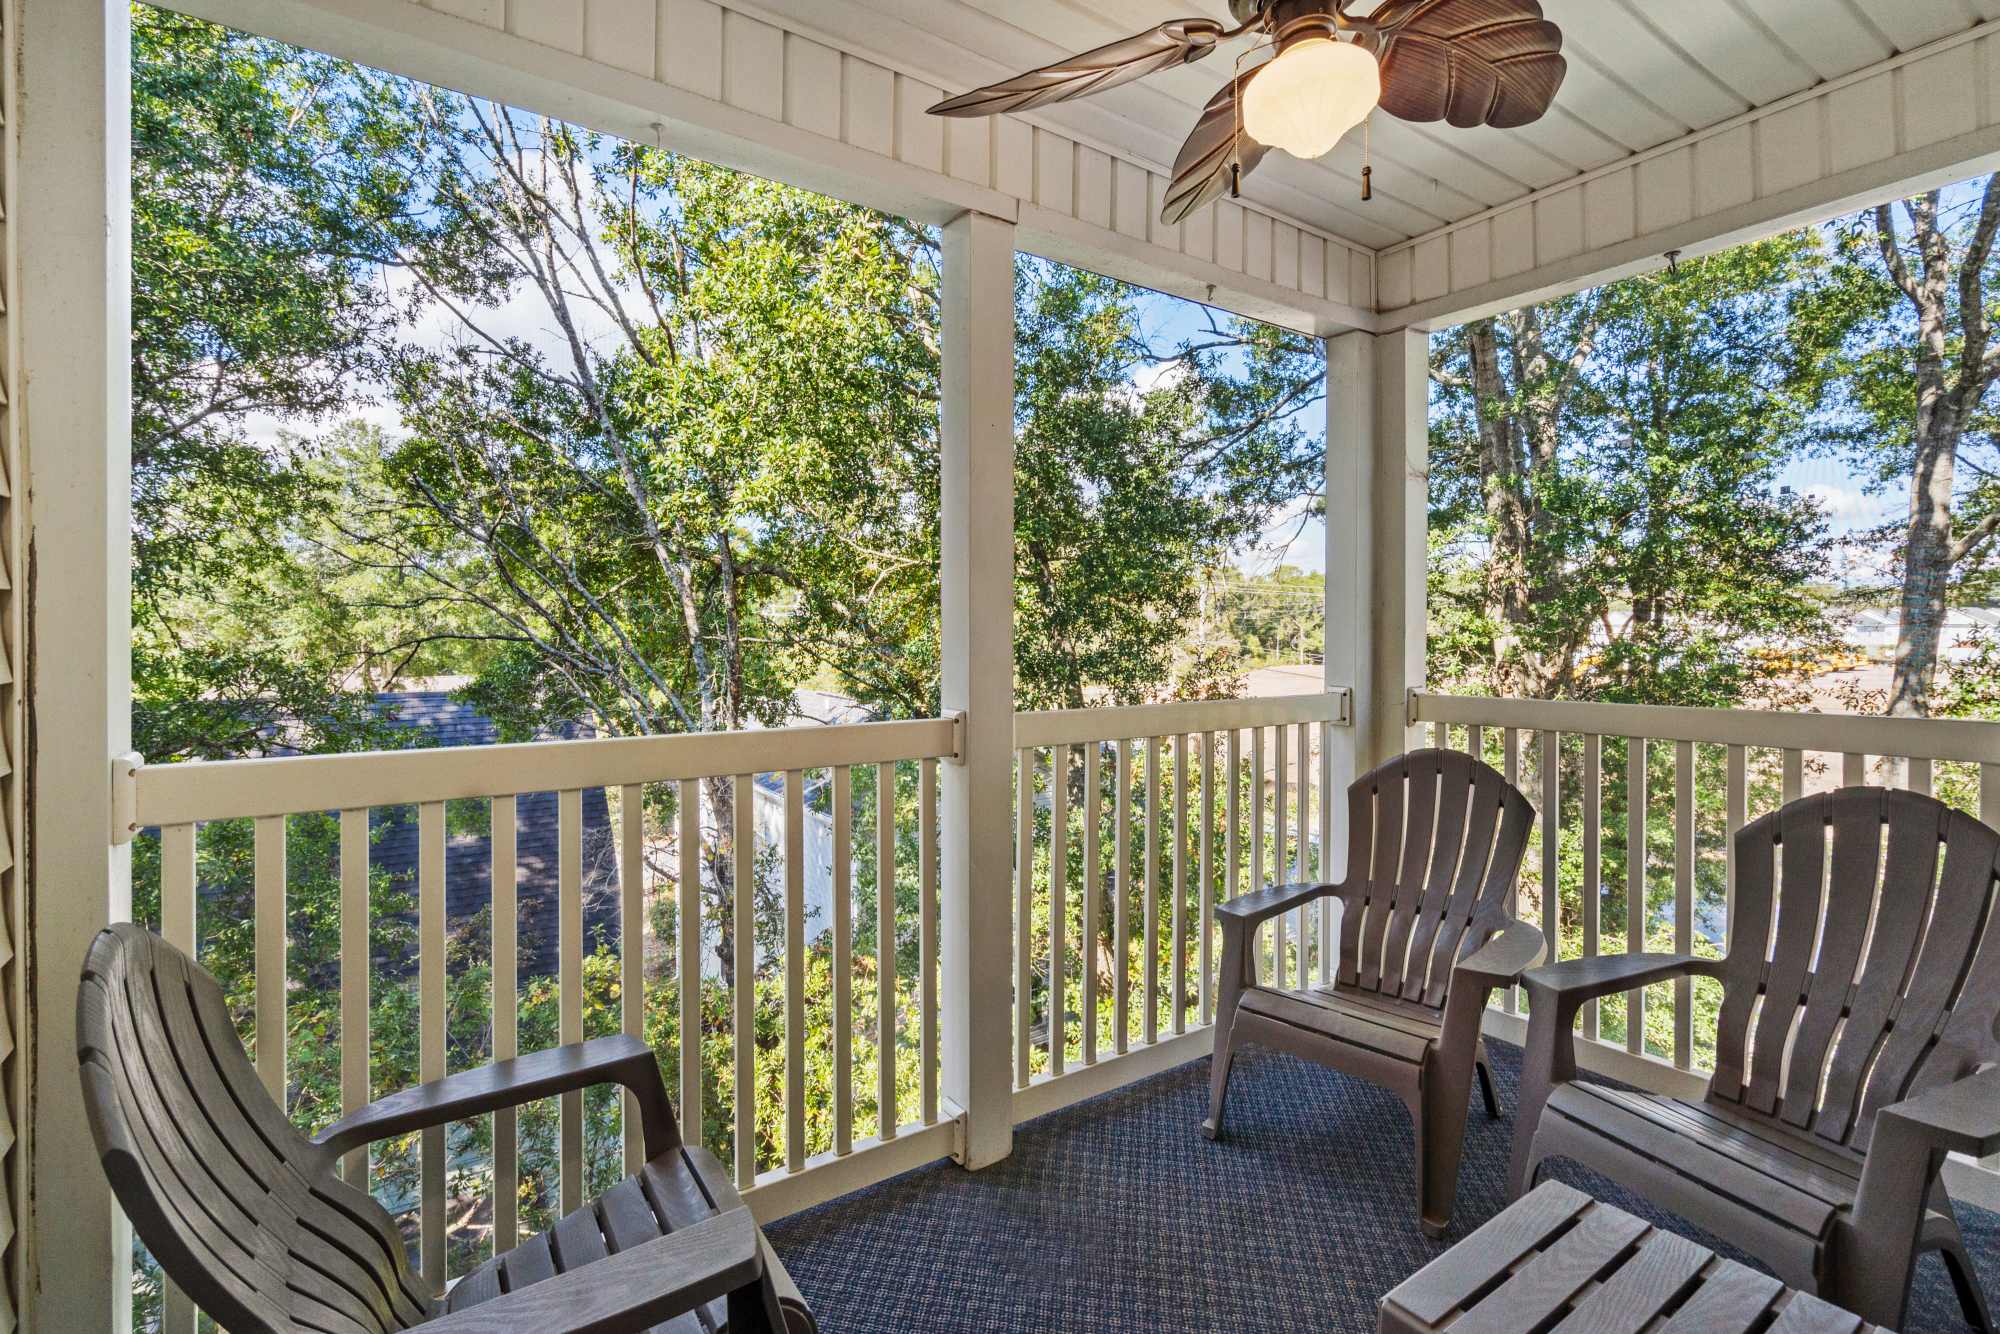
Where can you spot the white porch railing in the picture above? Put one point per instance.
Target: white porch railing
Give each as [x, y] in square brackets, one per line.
[179, 800]
[1165, 938]
[1132, 824]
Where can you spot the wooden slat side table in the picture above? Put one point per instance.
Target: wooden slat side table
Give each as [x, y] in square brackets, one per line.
[1557, 1259]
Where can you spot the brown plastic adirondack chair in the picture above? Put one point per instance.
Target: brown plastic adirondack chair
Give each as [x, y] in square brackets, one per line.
[1860, 998]
[1435, 843]
[252, 1221]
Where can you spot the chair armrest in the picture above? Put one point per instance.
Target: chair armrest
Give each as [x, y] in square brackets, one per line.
[1514, 947]
[1252, 910]
[1548, 1057]
[1579, 980]
[631, 1291]
[616, 1060]
[1961, 1117]
[1905, 1150]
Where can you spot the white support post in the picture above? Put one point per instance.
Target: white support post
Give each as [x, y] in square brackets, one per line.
[73, 217]
[1350, 570]
[1400, 515]
[976, 517]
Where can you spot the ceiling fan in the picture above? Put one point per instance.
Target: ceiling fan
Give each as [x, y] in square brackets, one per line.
[1469, 62]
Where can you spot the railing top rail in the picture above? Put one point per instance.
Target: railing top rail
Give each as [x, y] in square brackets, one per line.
[1837, 733]
[176, 794]
[1068, 727]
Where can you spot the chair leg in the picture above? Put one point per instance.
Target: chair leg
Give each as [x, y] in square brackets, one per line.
[1964, 1280]
[1218, 1080]
[1233, 973]
[1439, 1109]
[1486, 1087]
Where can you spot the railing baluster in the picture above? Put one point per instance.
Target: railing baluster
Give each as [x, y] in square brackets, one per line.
[1024, 919]
[1853, 770]
[1510, 744]
[431, 1029]
[355, 965]
[1329, 946]
[927, 936]
[1179, 915]
[1635, 884]
[688, 910]
[1233, 801]
[1301, 866]
[1150, 894]
[1921, 772]
[1280, 934]
[178, 928]
[177, 890]
[887, 1113]
[743, 929]
[795, 970]
[270, 936]
[1093, 893]
[1592, 897]
[843, 959]
[632, 946]
[1206, 897]
[1058, 904]
[1736, 814]
[1551, 823]
[506, 1023]
[1121, 904]
[1684, 814]
[1795, 775]
[1256, 813]
[1475, 743]
[569, 934]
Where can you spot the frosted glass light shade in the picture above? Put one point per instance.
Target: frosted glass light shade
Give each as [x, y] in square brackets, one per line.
[1312, 94]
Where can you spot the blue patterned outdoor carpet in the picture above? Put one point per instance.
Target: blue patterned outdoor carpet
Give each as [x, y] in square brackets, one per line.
[1118, 1215]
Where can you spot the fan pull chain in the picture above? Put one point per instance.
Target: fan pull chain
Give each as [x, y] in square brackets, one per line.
[1367, 159]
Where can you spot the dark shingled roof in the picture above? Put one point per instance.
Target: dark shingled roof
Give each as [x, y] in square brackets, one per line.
[468, 858]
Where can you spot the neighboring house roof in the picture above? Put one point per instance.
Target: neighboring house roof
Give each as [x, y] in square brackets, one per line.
[468, 872]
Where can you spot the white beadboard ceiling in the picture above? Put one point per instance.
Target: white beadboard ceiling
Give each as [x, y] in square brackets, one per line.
[1641, 73]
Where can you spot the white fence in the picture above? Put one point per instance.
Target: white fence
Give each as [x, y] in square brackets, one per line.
[710, 784]
[1132, 823]
[181, 799]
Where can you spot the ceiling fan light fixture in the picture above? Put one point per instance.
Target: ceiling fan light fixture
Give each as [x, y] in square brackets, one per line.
[1316, 90]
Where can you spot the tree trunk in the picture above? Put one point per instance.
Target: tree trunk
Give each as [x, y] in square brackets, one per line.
[1927, 563]
[1504, 484]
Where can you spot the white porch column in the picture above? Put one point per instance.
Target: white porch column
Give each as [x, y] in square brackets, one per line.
[1350, 564]
[74, 311]
[1400, 515]
[1377, 480]
[976, 515]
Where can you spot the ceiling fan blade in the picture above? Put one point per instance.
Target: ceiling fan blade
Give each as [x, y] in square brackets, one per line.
[1181, 42]
[1469, 62]
[1202, 171]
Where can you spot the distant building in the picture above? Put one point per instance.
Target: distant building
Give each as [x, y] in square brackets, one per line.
[1873, 630]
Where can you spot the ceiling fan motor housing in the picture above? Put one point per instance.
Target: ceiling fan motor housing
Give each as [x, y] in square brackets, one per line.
[1280, 12]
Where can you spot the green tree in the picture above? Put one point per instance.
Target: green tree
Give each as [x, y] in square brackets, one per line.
[1910, 301]
[1605, 472]
[270, 186]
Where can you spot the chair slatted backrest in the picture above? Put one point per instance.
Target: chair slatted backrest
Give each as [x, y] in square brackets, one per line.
[1435, 841]
[1863, 962]
[242, 1211]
